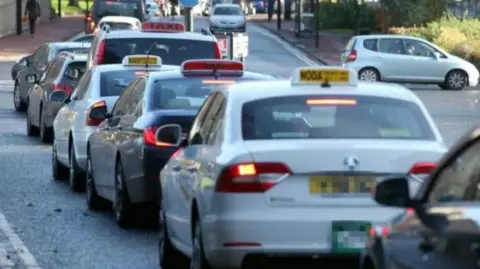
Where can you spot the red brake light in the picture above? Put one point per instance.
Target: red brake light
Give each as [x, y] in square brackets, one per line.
[63, 87]
[251, 177]
[352, 56]
[422, 168]
[101, 53]
[150, 139]
[162, 27]
[334, 102]
[99, 107]
[230, 67]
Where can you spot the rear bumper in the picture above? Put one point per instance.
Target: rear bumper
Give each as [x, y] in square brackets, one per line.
[236, 236]
[147, 188]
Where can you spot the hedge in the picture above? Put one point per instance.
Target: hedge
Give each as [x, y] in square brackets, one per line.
[459, 36]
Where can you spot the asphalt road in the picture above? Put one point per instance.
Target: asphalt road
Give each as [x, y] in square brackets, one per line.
[44, 225]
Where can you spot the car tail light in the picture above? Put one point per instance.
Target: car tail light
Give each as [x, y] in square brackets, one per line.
[98, 108]
[217, 51]
[352, 56]
[251, 177]
[422, 168]
[150, 139]
[101, 53]
[63, 87]
[379, 231]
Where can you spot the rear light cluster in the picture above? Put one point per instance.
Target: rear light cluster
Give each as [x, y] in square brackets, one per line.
[422, 169]
[63, 87]
[100, 58]
[384, 230]
[96, 112]
[352, 56]
[150, 139]
[251, 177]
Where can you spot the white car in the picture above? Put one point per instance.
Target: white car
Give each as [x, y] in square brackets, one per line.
[227, 18]
[407, 59]
[285, 168]
[118, 23]
[98, 89]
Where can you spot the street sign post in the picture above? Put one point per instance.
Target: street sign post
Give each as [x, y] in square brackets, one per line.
[188, 13]
[240, 45]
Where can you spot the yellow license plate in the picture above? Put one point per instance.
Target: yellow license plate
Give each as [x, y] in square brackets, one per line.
[142, 60]
[321, 76]
[326, 184]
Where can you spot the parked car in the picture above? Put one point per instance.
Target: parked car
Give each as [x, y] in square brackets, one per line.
[407, 59]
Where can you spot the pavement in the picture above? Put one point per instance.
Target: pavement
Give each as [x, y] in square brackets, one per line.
[44, 225]
[13, 47]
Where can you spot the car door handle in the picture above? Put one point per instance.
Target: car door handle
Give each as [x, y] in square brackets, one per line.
[177, 168]
[192, 169]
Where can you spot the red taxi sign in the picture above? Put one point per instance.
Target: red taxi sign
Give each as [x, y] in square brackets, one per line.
[170, 27]
[212, 65]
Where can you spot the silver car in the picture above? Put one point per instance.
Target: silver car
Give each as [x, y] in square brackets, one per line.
[407, 59]
[227, 18]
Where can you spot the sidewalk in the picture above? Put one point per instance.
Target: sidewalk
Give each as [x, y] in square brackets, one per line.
[330, 45]
[13, 47]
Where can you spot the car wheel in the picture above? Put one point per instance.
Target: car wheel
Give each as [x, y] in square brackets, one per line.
[59, 171]
[31, 130]
[456, 80]
[122, 206]
[75, 176]
[94, 201]
[46, 133]
[369, 74]
[17, 100]
[198, 261]
[168, 256]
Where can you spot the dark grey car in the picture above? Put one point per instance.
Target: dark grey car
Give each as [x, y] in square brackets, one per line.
[36, 65]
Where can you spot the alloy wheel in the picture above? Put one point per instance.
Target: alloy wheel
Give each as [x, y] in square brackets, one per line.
[16, 96]
[457, 80]
[368, 75]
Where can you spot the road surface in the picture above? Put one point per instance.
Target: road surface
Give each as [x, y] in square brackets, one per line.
[44, 225]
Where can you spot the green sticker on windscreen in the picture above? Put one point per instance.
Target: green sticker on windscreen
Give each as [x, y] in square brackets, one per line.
[392, 132]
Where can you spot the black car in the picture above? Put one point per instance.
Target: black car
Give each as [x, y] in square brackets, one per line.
[19, 64]
[36, 64]
[61, 74]
[441, 225]
[124, 147]
[102, 8]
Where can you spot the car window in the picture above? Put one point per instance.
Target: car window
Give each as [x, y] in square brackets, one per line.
[215, 132]
[113, 83]
[228, 11]
[371, 44]
[198, 122]
[120, 107]
[334, 117]
[209, 118]
[135, 97]
[36, 55]
[417, 48]
[172, 51]
[460, 179]
[72, 68]
[55, 69]
[116, 25]
[82, 86]
[40, 58]
[391, 45]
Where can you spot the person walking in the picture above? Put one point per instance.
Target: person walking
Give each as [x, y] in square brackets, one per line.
[32, 11]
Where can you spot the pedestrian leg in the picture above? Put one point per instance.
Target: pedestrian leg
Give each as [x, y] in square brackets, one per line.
[31, 24]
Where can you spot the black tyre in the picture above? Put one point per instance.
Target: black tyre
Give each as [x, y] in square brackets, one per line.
[198, 261]
[76, 177]
[94, 201]
[46, 133]
[123, 208]
[17, 100]
[368, 74]
[168, 256]
[59, 171]
[456, 80]
[31, 129]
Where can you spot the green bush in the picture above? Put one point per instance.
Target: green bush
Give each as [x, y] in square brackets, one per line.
[343, 15]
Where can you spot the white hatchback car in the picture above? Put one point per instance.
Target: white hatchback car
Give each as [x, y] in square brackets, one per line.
[407, 59]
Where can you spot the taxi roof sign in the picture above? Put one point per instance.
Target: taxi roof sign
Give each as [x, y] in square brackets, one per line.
[324, 75]
[169, 27]
[231, 67]
[142, 60]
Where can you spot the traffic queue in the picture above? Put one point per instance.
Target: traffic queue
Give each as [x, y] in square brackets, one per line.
[237, 168]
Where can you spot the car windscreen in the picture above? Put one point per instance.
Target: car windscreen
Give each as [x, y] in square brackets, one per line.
[334, 117]
[236, 11]
[186, 93]
[118, 8]
[117, 25]
[172, 51]
[112, 83]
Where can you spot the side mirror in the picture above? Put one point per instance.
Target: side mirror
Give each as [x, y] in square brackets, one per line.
[393, 191]
[169, 135]
[31, 78]
[57, 96]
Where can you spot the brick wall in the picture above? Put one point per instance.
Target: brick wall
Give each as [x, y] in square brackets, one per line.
[8, 13]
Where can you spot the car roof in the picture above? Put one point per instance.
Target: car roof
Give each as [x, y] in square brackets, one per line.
[140, 34]
[121, 18]
[119, 67]
[387, 36]
[70, 44]
[254, 90]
